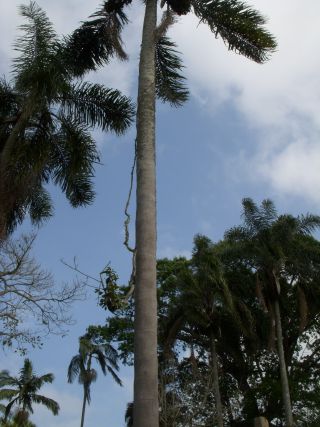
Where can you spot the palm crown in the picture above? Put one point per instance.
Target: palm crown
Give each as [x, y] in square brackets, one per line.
[91, 348]
[23, 390]
[45, 117]
[240, 27]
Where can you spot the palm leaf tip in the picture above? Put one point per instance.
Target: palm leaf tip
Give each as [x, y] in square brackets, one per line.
[240, 27]
[50, 404]
[95, 105]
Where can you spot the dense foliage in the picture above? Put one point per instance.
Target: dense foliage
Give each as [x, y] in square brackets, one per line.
[221, 296]
[46, 113]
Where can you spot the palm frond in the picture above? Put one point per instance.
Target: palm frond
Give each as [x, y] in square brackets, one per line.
[74, 368]
[7, 394]
[50, 404]
[170, 85]
[9, 407]
[7, 379]
[43, 379]
[111, 355]
[72, 162]
[40, 205]
[237, 234]
[37, 47]
[95, 105]
[26, 372]
[8, 103]
[100, 357]
[257, 219]
[114, 375]
[98, 39]
[308, 223]
[240, 27]
[129, 415]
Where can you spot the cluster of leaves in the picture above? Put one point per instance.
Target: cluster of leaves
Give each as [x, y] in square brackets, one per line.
[224, 293]
[45, 118]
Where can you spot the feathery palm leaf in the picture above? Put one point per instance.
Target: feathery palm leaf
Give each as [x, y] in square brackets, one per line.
[239, 26]
[170, 85]
[98, 39]
[95, 105]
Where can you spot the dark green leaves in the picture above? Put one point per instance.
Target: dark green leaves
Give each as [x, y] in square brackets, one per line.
[98, 39]
[45, 115]
[72, 162]
[170, 85]
[95, 105]
[239, 26]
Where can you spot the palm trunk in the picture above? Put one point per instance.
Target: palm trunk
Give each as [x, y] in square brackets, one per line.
[146, 412]
[283, 368]
[5, 197]
[83, 407]
[216, 387]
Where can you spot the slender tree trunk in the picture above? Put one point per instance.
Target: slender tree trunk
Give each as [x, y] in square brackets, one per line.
[146, 411]
[283, 368]
[216, 387]
[83, 407]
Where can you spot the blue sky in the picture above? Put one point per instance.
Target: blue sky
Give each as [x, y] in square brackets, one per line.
[247, 131]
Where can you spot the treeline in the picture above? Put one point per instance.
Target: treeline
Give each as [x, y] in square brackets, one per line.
[238, 325]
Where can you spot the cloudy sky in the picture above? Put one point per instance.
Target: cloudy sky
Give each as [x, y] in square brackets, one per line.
[248, 131]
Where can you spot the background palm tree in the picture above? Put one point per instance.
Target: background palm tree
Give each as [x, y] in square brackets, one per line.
[23, 392]
[45, 117]
[91, 348]
[269, 241]
[241, 28]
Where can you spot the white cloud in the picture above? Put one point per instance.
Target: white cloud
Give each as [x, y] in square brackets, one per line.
[279, 100]
[295, 169]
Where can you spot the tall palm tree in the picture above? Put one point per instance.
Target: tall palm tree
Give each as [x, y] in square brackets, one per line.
[199, 312]
[45, 117]
[23, 392]
[268, 241]
[90, 349]
[242, 29]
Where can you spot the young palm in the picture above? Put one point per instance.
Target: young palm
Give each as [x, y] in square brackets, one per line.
[96, 41]
[268, 242]
[23, 392]
[45, 117]
[91, 349]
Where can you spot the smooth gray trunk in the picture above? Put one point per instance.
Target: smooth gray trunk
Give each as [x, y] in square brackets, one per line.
[216, 387]
[283, 368]
[146, 406]
[83, 408]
